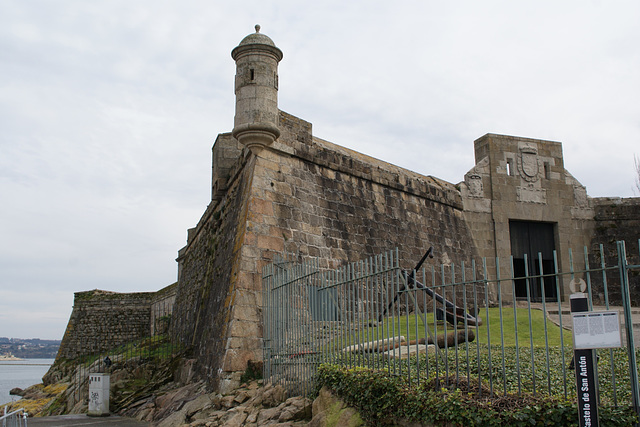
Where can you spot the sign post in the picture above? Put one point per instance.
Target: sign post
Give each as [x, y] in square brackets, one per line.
[585, 370]
[591, 330]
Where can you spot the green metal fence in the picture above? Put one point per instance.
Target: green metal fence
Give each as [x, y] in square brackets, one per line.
[451, 323]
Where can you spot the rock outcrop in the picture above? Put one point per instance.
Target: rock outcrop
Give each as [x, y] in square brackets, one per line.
[251, 405]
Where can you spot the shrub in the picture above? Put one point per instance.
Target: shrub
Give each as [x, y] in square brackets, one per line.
[382, 399]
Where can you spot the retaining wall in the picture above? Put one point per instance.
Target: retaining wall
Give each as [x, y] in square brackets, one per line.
[103, 320]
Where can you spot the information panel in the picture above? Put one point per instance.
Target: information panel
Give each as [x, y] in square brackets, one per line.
[596, 329]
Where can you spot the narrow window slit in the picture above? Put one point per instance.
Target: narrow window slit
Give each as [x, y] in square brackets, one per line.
[510, 170]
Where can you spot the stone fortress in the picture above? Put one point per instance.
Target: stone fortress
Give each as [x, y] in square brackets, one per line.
[278, 188]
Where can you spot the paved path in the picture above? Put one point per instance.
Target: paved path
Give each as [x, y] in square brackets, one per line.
[84, 420]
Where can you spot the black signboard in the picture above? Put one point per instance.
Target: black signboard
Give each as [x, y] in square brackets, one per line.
[585, 369]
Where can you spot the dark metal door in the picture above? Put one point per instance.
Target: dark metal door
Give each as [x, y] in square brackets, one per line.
[533, 239]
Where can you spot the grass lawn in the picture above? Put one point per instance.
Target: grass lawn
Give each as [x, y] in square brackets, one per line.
[526, 329]
[537, 363]
[542, 332]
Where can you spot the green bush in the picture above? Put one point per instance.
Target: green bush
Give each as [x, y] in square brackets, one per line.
[382, 398]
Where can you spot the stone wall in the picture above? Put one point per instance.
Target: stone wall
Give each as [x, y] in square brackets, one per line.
[209, 272]
[103, 320]
[161, 309]
[311, 198]
[616, 219]
[323, 200]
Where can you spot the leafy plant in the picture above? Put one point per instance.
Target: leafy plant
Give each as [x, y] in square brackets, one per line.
[253, 372]
[382, 399]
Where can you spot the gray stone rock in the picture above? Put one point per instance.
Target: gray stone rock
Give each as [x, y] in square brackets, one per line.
[328, 406]
[404, 352]
[17, 391]
[237, 420]
[268, 414]
[297, 408]
[273, 396]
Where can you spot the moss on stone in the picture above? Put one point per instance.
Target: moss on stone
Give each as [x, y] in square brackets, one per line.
[340, 416]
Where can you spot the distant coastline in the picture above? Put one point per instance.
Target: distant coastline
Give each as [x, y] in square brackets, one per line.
[9, 357]
[33, 348]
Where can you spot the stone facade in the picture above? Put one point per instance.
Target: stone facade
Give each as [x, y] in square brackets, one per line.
[210, 270]
[309, 197]
[161, 310]
[278, 188]
[524, 180]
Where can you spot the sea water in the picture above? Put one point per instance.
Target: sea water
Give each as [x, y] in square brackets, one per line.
[22, 374]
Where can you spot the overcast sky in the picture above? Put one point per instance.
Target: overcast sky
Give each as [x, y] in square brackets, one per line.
[109, 109]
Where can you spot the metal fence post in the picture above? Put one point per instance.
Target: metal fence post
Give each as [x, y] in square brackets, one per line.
[585, 370]
[628, 323]
[354, 315]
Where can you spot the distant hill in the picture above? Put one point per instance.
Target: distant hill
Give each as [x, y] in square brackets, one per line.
[33, 348]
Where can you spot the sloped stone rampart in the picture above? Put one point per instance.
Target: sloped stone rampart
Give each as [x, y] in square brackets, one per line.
[102, 320]
[209, 275]
[161, 308]
[311, 198]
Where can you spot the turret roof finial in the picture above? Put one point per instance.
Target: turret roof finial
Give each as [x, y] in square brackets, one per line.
[257, 39]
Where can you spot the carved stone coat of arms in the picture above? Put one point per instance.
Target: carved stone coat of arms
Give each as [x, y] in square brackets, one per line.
[528, 163]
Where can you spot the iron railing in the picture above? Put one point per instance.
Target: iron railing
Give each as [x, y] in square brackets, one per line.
[452, 323]
[17, 418]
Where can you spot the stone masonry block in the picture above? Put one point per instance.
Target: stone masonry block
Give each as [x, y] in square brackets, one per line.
[250, 238]
[235, 360]
[245, 343]
[252, 252]
[271, 243]
[248, 313]
[244, 329]
[263, 207]
[246, 297]
[247, 264]
[250, 280]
